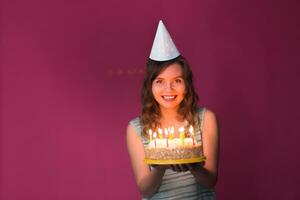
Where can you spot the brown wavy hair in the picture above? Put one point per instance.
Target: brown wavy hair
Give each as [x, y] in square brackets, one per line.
[150, 108]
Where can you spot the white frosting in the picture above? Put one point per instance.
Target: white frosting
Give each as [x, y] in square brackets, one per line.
[176, 142]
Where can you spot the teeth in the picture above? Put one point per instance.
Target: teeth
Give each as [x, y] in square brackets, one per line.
[169, 97]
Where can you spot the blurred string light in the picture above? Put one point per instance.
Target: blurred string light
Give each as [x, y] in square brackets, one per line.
[128, 72]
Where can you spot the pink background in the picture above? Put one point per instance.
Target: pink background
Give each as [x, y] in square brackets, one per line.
[71, 74]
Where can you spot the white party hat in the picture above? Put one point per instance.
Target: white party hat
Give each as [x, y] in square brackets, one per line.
[163, 47]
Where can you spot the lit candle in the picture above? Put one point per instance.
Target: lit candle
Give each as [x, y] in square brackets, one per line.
[182, 135]
[171, 133]
[160, 133]
[192, 134]
[166, 136]
[150, 135]
[154, 136]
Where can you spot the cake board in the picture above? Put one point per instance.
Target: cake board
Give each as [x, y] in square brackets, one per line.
[174, 162]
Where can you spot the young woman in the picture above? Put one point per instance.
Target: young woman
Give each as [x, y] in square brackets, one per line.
[169, 99]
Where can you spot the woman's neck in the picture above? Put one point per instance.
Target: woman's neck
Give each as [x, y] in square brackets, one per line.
[169, 115]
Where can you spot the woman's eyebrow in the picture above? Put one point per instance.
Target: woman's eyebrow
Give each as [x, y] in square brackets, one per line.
[177, 77]
[180, 76]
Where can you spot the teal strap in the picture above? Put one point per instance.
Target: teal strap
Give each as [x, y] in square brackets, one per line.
[138, 129]
[136, 125]
[202, 118]
[198, 134]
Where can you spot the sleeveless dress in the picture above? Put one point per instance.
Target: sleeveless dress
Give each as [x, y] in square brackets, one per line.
[183, 185]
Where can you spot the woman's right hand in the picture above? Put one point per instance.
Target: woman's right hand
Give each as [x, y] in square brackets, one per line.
[160, 167]
[179, 168]
[186, 167]
[176, 168]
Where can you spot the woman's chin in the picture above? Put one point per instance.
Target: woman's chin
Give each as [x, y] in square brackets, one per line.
[169, 107]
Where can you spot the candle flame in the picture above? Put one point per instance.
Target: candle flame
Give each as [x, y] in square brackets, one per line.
[166, 132]
[154, 134]
[181, 129]
[160, 131]
[172, 129]
[191, 130]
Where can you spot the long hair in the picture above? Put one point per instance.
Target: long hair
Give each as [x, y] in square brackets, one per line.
[150, 108]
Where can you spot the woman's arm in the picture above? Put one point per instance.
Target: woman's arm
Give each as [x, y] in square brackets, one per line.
[147, 180]
[207, 174]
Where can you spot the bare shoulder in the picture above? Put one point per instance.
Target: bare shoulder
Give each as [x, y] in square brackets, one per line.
[130, 129]
[210, 121]
[210, 116]
[131, 132]
[132, 136]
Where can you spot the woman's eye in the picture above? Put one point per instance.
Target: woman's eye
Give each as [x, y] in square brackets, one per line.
[158, 81]
[178, 80]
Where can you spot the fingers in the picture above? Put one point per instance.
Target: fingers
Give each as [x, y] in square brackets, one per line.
[190, 167]
[179, 168]
[186, 167]
[173, 168]
[195, 166]
[160, 167]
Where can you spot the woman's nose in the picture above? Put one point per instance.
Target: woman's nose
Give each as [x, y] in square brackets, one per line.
[168, 86]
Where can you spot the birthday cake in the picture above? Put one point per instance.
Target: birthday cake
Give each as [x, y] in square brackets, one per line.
[170, 150]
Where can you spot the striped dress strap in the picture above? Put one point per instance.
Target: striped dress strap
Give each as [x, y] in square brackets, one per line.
[136, 125]
[138, 129]
[201, 115]
[199, 131]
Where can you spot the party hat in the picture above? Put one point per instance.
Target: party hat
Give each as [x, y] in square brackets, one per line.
[163, 47]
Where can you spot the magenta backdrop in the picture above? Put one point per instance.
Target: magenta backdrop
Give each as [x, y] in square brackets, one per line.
[71, 74]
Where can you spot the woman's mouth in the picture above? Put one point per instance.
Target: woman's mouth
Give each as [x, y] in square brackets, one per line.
[169, 98]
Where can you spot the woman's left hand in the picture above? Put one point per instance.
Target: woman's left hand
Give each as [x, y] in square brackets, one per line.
[186, 167]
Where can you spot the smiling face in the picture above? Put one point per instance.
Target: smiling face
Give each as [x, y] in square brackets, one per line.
[168, 87]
